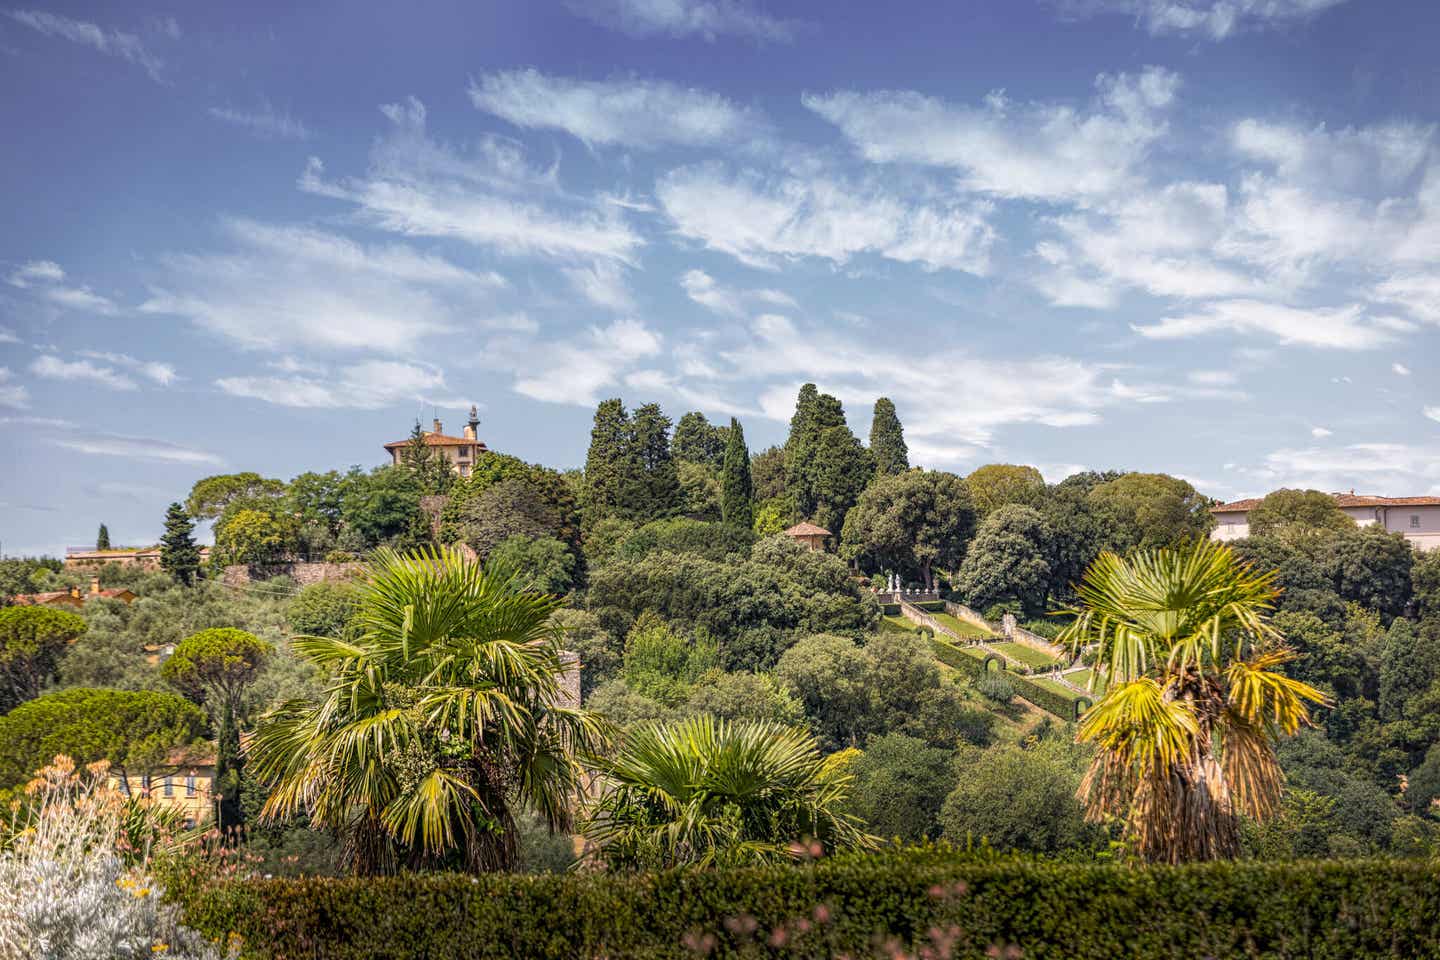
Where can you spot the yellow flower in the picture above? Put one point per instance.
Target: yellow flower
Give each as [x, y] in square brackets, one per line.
[160, 948]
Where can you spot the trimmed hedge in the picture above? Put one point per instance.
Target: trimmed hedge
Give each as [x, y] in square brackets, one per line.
[957, 657]
[863, 906]
[1060, 704]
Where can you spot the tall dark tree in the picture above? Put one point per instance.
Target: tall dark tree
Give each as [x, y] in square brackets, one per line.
[736, 489]
[698, 441]
[610, 468]
[825, 465]
[887, 440]
[428, 464]
[179, 556]
[102, 539]
[657, 492]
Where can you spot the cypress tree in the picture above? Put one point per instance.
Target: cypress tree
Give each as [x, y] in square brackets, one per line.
[102, 539]
[736, 489]
[229, 766]
[826, 466]
[887, 440]
[179, 556]
[697, 441]
[656, 487]
[607, 464]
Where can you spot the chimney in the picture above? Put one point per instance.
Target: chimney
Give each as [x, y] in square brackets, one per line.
[94, 585]
[75, 592]
[437, 426]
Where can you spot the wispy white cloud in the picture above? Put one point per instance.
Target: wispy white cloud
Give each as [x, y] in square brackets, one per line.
[576, 369]
[162, 373]
[52, 367]
[8, 336]
[45, 278]
[12, 395]
[1385, 469]
[1336, 328]
[36, 271]
[603, 284]
[133, 448]
[1030, 150]
[115, 43]
[372, 385]
[1215, 19]
[707, 19]
[1433, 413]
[630, 112]
[287, 286]
[1320, 433]
[710, 293]
[763, 221]
[1400, 370]
[264, 121]
[419, 187]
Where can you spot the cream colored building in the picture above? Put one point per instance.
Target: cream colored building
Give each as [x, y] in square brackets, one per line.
[461, 452]
[147, 557]
[186, 783]
[1418, 518]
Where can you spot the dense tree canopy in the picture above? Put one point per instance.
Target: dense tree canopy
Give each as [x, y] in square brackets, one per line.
[1289, 513]
[1153, 510]
[826, 467]
[997, 484]
[210, 496]
[916, 522]
[32, 641]
[1008, 560]
[697, 440]
[134, 730]
[216, 664]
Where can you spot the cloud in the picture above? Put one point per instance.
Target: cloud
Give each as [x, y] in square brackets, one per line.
[708, 292]
[265, 122]
[134, 448]
[371, 385]
[42, 271]
[635, 113]
[603, 284]
[12, 395]
[762, 221]
[575, 369]
[416, 186]
[280, 287]
[1433, 413]
[1040, 389]
[1339, 328]
[1320, 433]
[53, 368]
[1383, 469]
[115, 43]
[707, 19]
[1212, 378]
[1025, 150]
[162, 373]
[8, 335]
[45, 278]
[1400, 369]
[1215, 19]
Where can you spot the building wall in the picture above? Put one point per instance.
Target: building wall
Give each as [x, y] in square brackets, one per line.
[191, 791]
[1420, 525]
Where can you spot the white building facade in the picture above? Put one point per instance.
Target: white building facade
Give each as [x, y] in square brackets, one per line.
[1418, 518]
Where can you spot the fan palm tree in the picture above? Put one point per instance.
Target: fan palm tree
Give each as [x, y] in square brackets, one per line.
[1186, 731]
[708, 791]
[442, 713]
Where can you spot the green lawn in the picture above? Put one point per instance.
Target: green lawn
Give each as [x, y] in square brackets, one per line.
[900, 623]
[1055, 687]
[1081, 678]
[959, 627]
[1026, 655]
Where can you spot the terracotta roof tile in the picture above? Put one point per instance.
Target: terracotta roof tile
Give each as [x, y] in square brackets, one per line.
[437, 440]
[1342, 500]
[806, 530]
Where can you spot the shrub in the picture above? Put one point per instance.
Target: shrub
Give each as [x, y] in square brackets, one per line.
[73, 884]
[865, 906]
[996, 686]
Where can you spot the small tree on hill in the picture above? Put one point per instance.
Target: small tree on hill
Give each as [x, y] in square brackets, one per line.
[179, 556]
[102, 539]
[427, 463]
[736, 489]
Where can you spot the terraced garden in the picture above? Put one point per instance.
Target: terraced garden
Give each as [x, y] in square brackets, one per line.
[1026, 655]
[959, 627]
[1081, 678]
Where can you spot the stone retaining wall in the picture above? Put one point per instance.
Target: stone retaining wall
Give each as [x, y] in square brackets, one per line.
[304, 574]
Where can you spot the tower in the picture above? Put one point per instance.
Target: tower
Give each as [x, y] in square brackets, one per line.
[470, 427]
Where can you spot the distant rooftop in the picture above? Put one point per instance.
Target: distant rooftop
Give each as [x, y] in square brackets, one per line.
[1351, 499]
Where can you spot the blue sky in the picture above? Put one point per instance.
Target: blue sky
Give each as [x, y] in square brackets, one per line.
[1198, 236]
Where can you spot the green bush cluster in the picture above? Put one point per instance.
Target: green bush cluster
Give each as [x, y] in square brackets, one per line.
[863, 906]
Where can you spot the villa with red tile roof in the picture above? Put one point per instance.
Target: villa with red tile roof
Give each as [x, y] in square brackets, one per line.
[461, 452]
[1418, 518]
[74, 597]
